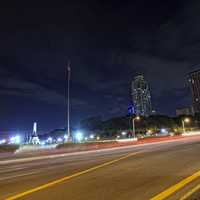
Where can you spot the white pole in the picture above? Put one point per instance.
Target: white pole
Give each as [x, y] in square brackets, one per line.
[133, 127]
[68, 98]
[183, 123]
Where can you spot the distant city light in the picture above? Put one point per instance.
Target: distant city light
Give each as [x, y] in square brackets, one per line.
[98, 138]
[79, 136]
[49, 140]
[86, 138]
[91, 136]
[163, 130]
[3, 141]
[66, 137]
[15, 139]
[59, 140]
[118, 136]
[123, 133]
[42, 143]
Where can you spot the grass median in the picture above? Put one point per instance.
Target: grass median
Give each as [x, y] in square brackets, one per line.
[86, 146]
[8, 148]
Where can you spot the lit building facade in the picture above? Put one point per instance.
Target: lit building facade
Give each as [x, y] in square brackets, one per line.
[141, 96]
[185, 111]
[194, 80]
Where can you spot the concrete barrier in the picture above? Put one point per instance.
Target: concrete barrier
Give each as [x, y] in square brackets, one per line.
[30, 148]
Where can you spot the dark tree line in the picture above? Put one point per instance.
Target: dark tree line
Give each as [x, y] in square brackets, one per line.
[156, 122]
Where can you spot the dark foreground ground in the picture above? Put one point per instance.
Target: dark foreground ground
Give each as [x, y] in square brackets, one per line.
[146, 172]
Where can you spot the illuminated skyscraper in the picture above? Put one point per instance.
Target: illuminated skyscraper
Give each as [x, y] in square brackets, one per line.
[194, 80]
[141, 96]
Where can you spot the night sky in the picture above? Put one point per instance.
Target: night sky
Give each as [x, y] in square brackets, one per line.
[108, 43]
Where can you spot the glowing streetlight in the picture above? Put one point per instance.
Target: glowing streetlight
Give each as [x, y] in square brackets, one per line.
[15, 139]
[59, 140]
[123, 133]
[135, 118]
[49, 140]
[79, 136]
[86, 138]
[149, 131]
[66, 137]
[91, 136]
[42, 143]
[186, 120]
[3, 141]
[163, 130]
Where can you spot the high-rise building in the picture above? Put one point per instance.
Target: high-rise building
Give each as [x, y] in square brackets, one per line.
[141, 96]
[194, 80]
[185, 111]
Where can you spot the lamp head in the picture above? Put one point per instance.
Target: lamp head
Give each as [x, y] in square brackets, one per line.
[137, 118]
[187, 120]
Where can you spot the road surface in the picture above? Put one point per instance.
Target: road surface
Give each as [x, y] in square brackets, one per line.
[166, 170]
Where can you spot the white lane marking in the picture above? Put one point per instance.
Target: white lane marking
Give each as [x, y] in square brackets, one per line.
[87, 152]
[190, 193]
[12, 169]
[19, 175]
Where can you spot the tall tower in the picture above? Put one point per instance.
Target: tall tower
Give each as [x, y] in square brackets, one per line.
[34, 137]
[141, 96]
[194, 80]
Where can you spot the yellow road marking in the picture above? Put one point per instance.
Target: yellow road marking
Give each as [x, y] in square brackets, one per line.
[166, 193]
[42, 187]
[192, 191]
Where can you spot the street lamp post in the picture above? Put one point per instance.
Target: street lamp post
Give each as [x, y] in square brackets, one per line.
[186, 120]
[133, 125]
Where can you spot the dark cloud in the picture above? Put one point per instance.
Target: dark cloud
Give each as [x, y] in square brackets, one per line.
[108, 43]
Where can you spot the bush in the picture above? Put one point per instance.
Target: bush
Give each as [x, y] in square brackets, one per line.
[8, 148]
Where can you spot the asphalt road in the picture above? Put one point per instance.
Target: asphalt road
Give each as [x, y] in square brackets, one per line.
[149, 171]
